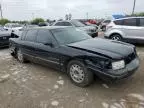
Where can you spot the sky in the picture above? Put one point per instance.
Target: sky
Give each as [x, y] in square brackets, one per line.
[57, 9]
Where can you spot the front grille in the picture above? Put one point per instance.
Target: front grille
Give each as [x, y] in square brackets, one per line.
[130, 57]
[4, 38]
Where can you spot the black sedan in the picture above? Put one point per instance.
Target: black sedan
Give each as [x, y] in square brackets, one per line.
[76, 53]
[4, 37]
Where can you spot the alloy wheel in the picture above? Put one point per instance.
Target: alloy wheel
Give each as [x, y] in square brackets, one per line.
[77, 73]
[117, 38]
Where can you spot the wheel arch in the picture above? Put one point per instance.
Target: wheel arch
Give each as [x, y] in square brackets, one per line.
[116, 34]
[65, 64]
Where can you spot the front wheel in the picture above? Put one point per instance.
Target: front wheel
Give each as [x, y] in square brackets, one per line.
[79, 74]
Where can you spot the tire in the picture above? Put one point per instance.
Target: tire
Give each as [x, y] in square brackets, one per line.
[13, 53]
[95, 35]
[79, 74]
[12, 35]
[116, 37]
[20, 56]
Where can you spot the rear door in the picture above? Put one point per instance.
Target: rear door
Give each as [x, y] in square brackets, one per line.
[28, 44]
[130, 28]
[45, 53]
[140, 31]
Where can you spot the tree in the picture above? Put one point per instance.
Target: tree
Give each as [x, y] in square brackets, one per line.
[68, 16]
[138, 14]
[23, 22]
[4, 21]
[37, 21]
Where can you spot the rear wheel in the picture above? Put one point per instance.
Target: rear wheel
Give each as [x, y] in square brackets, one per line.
[79, 74]
[116, 37]
[20, 56]
[12, 51]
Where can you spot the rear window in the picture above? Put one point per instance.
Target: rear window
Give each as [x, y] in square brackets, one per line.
[118, 22]
[130, 22]
[44, 36]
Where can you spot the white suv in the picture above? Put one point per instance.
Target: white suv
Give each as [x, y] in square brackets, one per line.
[130, 29]
[14, 28]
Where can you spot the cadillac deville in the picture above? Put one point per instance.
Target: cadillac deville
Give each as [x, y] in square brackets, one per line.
[76, 53]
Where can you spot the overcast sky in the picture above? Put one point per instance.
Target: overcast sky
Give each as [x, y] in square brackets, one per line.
[49, 9]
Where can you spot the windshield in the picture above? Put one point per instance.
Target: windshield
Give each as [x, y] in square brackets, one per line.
[69, 35]
[77, 23]
[107, 21]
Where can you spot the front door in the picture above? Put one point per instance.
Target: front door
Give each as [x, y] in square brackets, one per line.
[46, 52]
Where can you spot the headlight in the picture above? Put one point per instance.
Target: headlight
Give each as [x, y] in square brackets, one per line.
[118, 65]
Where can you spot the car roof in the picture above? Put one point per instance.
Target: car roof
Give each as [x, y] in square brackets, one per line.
[49, 27]
[126, 18]
[64, 21]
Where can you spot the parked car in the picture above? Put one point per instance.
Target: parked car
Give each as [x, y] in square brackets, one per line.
[43, 24]
[89, 24]
[14, 28]
[26, 26]
[76, 53]
[92, 31]
[104, 24]
[4, 37]
[129, 29]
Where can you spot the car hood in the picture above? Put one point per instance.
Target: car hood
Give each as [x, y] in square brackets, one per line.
[107, 48]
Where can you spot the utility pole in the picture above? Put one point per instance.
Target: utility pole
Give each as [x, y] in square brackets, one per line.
[133, 7]
[1, 11]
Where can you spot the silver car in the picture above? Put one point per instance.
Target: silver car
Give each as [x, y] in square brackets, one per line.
[130, 29]
[91, 30]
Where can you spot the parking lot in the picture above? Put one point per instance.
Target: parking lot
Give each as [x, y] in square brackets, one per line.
[34, 86]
